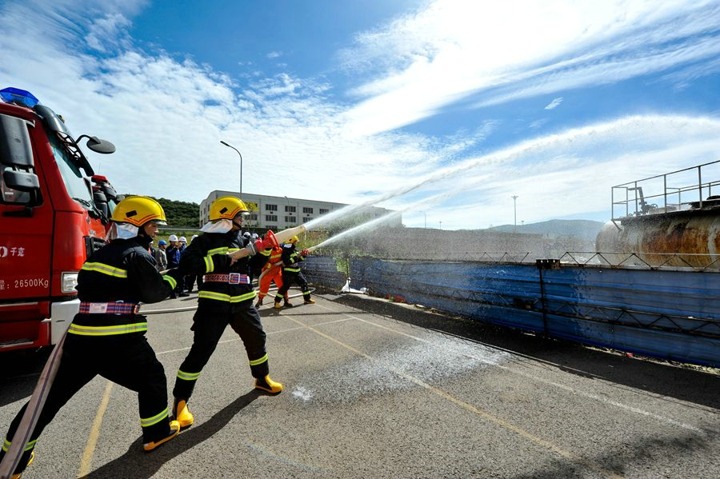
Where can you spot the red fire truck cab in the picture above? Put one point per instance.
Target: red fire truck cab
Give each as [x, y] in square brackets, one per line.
[49, 219]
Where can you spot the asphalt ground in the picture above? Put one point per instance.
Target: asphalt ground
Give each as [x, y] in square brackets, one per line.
[380, 390]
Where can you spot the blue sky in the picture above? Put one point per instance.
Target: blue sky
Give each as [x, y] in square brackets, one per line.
[442, 109]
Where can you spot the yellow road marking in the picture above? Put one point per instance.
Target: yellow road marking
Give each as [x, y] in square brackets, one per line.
[86, 461]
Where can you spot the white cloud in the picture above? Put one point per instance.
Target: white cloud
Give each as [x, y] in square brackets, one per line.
[454, 49]
[167, 117]
[554, 104]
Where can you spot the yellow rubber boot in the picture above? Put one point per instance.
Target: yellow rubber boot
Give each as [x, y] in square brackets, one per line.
[182, 414]
[19, 474]
[174, 431]
[268, 385]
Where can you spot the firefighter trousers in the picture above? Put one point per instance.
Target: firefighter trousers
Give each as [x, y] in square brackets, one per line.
[208, 327]
[290, 278]
[127, 360]
[274, 274]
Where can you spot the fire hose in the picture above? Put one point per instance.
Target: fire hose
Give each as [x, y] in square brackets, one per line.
[32, 412]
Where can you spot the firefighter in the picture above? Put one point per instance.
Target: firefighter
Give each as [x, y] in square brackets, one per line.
[291, 259]
[271, 272]
[225, 297]
[107, 336]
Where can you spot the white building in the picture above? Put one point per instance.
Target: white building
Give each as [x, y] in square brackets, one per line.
[278, 212]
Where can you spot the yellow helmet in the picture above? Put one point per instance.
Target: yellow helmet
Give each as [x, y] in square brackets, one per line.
[138, 210]
[227, 207]
[293, 240]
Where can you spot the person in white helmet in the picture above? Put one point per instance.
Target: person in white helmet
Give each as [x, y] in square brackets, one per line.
[173, 261]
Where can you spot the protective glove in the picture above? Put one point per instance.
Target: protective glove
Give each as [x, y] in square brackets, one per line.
[266, 242]
[304, 252]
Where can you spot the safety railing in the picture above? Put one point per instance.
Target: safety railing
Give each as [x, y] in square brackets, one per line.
[690, 188]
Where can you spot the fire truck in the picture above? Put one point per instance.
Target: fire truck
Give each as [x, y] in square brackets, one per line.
[54, 212]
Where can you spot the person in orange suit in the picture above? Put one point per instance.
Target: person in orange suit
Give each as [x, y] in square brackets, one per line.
[271, 272]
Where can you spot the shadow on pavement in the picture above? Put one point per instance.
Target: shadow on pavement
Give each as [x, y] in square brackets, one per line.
[138, 464]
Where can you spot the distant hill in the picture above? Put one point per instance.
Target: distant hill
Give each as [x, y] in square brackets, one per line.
[586, 230]
[180, 213]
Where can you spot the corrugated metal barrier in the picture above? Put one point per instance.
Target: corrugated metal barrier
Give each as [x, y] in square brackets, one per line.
[671, 314]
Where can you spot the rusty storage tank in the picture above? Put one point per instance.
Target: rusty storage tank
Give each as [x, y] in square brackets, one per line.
[674, 238]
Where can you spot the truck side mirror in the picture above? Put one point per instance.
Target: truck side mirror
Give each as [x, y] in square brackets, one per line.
[20, 185]
[97, 145]
[21, 180]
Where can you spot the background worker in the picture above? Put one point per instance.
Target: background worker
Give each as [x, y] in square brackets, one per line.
[173, 253]
[292, 274]
[107, 336]
[160, 256]
[271, 272]
[225, 298]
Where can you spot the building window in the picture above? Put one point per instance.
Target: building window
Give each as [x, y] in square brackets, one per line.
[270, 217]
[252, 217]
[324, 210]
[305, 220]
[272, 227]
[270, 207]
[290, 219]
[289, 209]
[307, 210]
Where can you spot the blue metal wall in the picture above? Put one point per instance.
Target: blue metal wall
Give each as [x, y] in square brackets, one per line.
[669, 314]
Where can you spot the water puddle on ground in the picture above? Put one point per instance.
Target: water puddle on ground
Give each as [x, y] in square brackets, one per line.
[440, 360]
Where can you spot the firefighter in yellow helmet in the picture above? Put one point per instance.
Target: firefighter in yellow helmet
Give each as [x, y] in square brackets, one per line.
[292, 273]
[107, 336]
[224, 298]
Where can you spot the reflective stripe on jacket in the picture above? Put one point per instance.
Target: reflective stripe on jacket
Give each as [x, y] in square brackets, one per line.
[208, 253]
[291, 258]
[121, 271]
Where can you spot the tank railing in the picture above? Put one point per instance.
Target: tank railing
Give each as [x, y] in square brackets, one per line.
[679, 190]
[694, 261]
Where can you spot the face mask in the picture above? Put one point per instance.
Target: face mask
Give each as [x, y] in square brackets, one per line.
[219, 226]
[122, 231]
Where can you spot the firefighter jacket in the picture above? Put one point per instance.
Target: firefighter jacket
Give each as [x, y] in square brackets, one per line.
[112, 283]
[224, 286]
[291, 258]
[275, 259]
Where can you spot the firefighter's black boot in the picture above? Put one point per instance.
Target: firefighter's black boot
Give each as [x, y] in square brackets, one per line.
[268, 385]
[182, 414]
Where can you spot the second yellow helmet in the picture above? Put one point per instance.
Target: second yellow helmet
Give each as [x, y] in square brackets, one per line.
[226, 207]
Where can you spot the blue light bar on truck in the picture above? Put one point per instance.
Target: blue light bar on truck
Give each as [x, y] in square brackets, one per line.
[18, 96]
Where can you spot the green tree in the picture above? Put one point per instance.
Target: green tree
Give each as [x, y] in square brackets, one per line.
[181, 213]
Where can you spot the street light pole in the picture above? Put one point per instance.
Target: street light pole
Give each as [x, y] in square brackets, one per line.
[238, 152]
[515, 197]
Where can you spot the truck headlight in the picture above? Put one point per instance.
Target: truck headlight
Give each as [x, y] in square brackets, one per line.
[68, 282]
